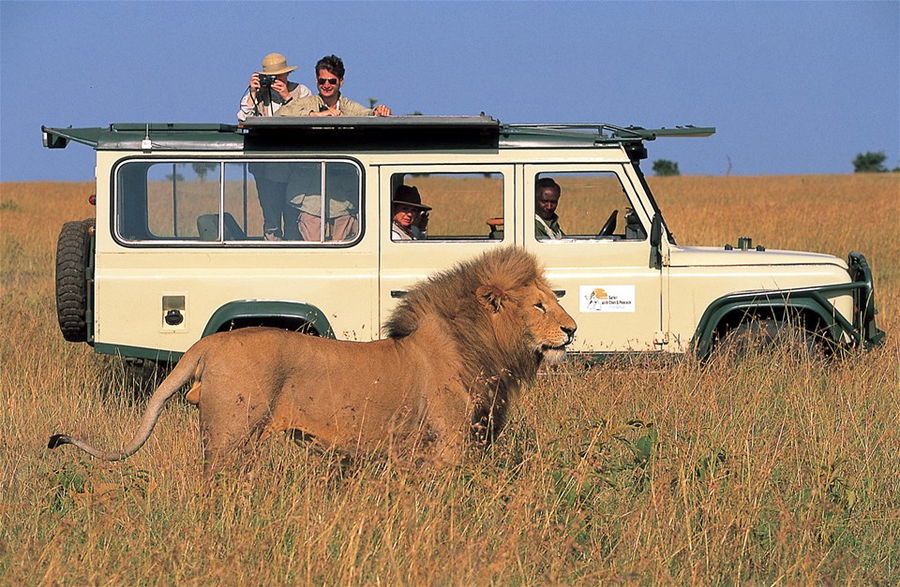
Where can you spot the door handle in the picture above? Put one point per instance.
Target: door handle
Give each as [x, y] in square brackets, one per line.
[560, 293]
[398, 293]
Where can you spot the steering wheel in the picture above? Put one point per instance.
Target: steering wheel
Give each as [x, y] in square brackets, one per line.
[609, 227]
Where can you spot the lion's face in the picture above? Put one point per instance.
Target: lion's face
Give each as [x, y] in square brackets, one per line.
[534, 309]
[548, 323]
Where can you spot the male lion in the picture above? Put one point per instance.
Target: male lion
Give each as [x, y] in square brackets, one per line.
[459, 347]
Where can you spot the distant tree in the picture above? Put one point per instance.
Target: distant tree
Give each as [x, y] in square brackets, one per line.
[201, 169]
[373, 102]
[663, 167]
[177, 176]
[870, 162]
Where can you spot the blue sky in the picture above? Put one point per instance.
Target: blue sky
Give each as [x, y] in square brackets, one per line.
[793, 87]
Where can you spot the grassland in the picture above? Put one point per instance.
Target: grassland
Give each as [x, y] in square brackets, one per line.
[760, 470]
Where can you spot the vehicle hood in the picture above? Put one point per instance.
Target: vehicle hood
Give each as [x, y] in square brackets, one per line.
[720, 257]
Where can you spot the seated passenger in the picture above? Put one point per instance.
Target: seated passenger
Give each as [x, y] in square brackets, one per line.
[546, 199]
[329, 101]
[410, 215]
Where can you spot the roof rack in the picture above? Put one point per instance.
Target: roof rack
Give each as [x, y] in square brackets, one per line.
[395, 132]
[611, 133]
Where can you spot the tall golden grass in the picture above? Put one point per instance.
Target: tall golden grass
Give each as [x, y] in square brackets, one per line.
[760, 470]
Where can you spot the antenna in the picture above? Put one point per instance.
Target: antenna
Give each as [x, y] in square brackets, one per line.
[147, 144]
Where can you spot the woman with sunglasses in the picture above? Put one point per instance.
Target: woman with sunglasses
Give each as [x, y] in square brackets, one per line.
[329, 101]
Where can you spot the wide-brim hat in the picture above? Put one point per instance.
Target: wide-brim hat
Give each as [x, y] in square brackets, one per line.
[275, 63]
[407, 195]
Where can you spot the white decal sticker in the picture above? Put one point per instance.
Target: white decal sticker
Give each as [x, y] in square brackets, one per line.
[606, 298]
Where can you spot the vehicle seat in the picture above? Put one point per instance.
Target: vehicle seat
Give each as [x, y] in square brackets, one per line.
[208, 228]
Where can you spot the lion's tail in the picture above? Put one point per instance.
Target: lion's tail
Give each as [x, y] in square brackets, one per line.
[181, 374]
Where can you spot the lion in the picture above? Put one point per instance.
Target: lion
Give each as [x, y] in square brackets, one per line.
[459, 347]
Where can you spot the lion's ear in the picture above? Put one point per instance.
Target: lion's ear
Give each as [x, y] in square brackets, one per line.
[491, 297]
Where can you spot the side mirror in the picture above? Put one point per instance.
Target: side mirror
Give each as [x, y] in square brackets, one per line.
[655, 241]
[656, 231]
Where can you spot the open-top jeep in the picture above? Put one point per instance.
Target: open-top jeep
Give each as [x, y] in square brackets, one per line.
[181, 246]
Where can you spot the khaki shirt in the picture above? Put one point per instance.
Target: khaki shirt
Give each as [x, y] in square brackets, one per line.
[547, 229]
[312, 204]
[304, 106]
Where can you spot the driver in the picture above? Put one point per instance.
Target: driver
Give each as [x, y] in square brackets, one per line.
[546, 200]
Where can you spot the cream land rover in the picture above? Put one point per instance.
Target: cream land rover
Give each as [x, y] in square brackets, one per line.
[181, 247]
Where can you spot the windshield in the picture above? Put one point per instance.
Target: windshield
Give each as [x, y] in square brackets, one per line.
[669, 236]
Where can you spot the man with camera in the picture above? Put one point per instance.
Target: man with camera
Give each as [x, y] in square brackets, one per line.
[270, 89]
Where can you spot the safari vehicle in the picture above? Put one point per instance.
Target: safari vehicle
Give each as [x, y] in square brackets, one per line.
[177, 250]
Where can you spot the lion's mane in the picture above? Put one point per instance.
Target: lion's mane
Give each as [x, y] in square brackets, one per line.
[496, 358]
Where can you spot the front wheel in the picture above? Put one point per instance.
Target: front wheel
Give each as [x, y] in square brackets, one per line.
[765, 335]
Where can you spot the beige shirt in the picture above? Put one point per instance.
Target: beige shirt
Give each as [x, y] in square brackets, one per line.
[304, 106]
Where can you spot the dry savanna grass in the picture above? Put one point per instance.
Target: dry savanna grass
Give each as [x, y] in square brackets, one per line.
[765, 469]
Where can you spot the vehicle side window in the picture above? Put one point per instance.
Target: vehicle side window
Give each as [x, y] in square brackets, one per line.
[447, 206]
[241, 202]
[584, 205]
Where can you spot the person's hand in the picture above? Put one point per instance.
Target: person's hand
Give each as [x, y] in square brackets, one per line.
[381, 110]
[422, 223]
[254, 89]
[282, 89]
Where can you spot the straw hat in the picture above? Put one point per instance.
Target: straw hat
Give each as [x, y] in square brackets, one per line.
[275, 63]
[409, 196]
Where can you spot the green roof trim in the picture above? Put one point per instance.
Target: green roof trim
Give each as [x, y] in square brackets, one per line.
[155, 136]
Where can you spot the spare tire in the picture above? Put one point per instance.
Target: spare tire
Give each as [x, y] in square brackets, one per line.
[73, 250]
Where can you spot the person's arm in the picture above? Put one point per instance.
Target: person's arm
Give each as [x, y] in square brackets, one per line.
[422, 224]
[351, 108]
[248, 105]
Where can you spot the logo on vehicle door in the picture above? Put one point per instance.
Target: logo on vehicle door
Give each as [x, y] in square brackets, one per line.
[606, 298]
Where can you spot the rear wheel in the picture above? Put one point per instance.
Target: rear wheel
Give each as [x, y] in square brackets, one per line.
[73, 250]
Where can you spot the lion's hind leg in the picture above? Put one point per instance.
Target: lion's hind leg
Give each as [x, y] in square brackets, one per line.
[230, 424]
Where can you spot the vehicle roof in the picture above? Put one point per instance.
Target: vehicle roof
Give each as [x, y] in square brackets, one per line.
[395, 132]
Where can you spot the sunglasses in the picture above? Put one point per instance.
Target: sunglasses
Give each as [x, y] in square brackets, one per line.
[330, 80]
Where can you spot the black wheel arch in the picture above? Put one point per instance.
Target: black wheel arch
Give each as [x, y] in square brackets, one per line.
[786, 307]
[287, 315]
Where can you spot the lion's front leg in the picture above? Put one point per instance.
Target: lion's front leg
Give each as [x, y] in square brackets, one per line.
[449, 452]
[448, 414]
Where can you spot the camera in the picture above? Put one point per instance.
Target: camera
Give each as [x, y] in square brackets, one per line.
[266, 81]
